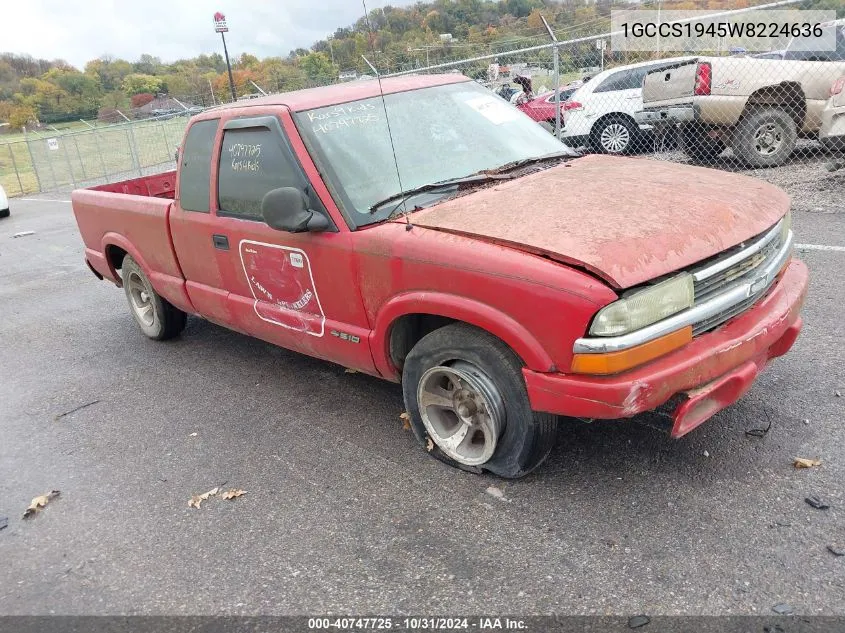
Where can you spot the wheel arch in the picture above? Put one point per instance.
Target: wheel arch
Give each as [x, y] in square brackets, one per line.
[789, 95]
[405, 319]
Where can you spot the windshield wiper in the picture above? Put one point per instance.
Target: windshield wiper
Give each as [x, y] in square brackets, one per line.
[532, 161]
[404, 196]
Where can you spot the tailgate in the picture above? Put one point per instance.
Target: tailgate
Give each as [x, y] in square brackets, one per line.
[670, 86]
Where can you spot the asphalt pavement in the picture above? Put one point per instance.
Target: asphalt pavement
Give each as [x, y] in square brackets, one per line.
[345, 513]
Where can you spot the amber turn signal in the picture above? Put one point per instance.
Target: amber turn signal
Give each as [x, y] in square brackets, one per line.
[615, 362]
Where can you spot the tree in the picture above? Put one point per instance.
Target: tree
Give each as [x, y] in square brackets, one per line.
[141, 99]
[138, 83]
[318, 67]
[22, 115]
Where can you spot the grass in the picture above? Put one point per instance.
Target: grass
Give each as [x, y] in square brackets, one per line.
[86, 156]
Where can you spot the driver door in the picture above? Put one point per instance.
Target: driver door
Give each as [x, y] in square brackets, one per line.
[296, 290]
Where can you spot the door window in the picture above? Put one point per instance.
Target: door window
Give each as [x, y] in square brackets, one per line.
[253, 161]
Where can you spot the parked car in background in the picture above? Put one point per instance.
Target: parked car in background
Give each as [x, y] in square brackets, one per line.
[832, 132]
[757, 107]
[600, 114]
[4, 203]
[301, 220]
[542, 107]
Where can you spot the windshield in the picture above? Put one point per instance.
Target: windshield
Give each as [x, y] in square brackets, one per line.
[439, 133]
[819, 48]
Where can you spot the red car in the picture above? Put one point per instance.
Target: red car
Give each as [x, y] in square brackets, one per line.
[299, 219]
[542, 107]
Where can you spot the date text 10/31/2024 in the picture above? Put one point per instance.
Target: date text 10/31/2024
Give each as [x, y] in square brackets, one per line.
[417, 624]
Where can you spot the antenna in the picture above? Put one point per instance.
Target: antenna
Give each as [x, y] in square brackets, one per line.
[383, 103]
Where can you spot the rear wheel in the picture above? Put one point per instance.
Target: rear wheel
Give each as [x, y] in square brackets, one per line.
[765, 137]
[614, 135]
[698, 145]
[468, 404]
[157, 318]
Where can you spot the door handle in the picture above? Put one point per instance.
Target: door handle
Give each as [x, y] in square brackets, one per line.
[221, 242]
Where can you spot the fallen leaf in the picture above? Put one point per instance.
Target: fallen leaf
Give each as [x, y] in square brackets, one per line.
[802, 462]
[406, 421]
[350, 371]
[192, 435]
[495, 492]
[429, 445]
[234, 493]
[40, 502]
[196, 500]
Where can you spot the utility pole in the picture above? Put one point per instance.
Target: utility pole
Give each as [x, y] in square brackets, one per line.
[221, 27]
[556, 57]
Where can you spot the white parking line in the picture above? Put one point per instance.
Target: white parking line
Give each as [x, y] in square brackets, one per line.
[820, 247]
[39, 200]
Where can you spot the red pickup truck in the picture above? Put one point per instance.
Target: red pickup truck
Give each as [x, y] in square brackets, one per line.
[438, 237]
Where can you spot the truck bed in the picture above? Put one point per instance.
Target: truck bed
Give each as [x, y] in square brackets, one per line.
[131, 217]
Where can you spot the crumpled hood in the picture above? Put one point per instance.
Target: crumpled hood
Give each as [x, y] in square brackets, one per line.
[626, 220]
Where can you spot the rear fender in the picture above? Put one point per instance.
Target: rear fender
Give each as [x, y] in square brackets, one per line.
[169, 287]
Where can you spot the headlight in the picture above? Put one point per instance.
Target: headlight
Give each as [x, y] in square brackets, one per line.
[785, 226]
[645, 307]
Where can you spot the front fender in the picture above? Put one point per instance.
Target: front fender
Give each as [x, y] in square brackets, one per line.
[481, 315]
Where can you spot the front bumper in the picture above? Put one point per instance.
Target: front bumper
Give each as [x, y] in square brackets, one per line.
[708, 374]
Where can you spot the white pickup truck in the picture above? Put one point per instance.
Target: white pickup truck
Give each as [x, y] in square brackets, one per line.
[758, 107]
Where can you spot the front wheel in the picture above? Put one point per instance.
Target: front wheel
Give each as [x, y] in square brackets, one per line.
[468, 404]
[157, 318]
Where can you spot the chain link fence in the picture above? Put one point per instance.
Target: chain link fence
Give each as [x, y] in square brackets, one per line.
[727, 109]
[88, 157]
[723, 108]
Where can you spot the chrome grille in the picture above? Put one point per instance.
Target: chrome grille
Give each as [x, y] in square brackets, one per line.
[738, 265]
[716, 320]
[706, 288]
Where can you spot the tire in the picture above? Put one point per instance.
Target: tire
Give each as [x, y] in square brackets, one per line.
[505, 436]
[5, 213]
[614, 135]
[765, 137]
[157, 318]
[694, 142]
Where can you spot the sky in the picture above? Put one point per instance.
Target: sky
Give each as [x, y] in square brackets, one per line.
[80, 30]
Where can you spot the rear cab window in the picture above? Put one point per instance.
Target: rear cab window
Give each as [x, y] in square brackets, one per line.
[195, 168]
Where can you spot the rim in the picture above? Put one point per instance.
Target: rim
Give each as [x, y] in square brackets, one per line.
[615, 138]
[768, 139]
[462, 411]
[140, 296]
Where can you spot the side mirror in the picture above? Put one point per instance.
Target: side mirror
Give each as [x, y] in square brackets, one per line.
[286, 209]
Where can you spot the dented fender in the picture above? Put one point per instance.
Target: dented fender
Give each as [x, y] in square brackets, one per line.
[481, 315]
